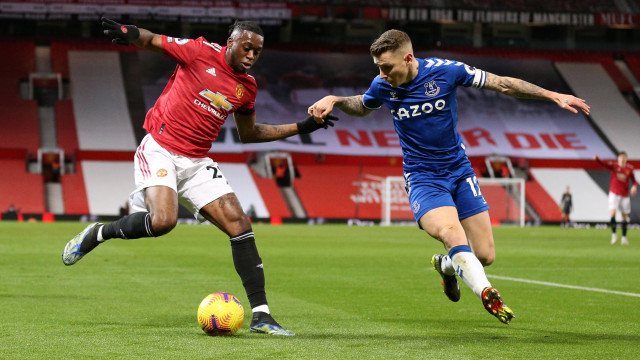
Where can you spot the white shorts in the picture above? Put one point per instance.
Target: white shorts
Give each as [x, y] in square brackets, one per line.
[620, 203]
[197, 181]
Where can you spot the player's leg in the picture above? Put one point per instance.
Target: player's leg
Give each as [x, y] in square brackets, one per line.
[227, 214]
[480, 236]
[154, 205]
[625, 210]
[208, 195]
[159, 220]
[442, 224]
[474, 217]
[427, 193]
[162, 203]
[614, 203]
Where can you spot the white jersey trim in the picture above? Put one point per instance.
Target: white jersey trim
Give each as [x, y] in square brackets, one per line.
[479, 79]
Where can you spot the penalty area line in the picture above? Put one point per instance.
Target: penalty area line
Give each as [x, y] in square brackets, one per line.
[546, 283]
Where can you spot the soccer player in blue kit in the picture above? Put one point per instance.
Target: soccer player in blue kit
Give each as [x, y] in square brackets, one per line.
[443, 190]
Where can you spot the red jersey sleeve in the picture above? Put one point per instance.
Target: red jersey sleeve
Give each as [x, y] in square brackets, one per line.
[181, 50]
[607, 164]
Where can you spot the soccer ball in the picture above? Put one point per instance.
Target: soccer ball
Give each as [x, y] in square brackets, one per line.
[220, 313]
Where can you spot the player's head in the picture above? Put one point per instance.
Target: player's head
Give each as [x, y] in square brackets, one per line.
[244, 45]
[622, 159]
[393, 54]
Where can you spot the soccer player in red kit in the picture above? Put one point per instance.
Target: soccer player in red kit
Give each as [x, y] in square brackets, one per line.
[172, 166]
[621, 176]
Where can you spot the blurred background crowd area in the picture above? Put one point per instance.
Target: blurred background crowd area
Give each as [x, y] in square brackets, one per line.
[347, 25]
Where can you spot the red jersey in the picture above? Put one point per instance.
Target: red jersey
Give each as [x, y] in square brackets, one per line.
[620, 177]
[202, 92]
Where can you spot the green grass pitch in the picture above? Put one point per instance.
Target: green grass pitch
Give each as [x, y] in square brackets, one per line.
[347, 292]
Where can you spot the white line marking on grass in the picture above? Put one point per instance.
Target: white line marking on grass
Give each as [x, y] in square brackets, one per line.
[564, 286]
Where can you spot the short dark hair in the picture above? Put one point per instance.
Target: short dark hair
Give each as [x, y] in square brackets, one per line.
[390, 40]
[622, 153]
[245, 25]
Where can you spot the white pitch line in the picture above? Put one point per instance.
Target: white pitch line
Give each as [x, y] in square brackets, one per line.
[564, 286]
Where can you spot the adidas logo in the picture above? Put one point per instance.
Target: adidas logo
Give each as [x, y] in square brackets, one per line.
[212, 71]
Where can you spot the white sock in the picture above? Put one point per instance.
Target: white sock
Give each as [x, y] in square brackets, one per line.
[261, 308]
[446, 266]
[100, 239]
[469, 269]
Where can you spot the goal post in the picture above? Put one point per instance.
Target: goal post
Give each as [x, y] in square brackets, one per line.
[395, 201]
[505, 196]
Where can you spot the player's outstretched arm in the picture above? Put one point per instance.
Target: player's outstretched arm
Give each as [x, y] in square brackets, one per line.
[131, 35]
[252, 132]
[525, 90]
[603, 163]
[350, 105]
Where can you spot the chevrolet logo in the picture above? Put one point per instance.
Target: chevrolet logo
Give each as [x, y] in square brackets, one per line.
[217, 100]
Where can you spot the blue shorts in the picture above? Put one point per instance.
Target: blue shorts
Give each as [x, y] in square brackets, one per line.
[456, 186]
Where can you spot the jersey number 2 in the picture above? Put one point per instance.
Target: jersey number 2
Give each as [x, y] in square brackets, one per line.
[215, 171]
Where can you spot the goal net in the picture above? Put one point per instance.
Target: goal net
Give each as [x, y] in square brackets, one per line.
[505, 196]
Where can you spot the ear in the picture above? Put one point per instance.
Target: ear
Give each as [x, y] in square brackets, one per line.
[408, 58]
[229, 42]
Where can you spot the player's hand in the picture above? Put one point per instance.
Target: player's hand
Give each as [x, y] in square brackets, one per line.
[322, 108]
[634, 190]
[570, 103]
[121, 34]
[309, 124]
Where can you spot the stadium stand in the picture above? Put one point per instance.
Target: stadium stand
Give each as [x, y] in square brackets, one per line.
[543, 204]
[20, 125]
[589, 199]
[15, 67]
[604, 58]
[633, 61]
[618, 121]
[271, 195]
[20, 188]
[95, 129]
[502, 205]
[108, 185]
[356, 195]
[60, 52]
[66, 127]
[74, 192]
[99, 103]
[517, 5]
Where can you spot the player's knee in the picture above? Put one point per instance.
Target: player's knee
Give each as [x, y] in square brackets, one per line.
[236, 224]
[163, 223]
[447, 233]
[486, 259]
[240, 219]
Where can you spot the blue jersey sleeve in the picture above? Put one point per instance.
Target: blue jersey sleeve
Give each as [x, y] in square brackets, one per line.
[371, 98]
[466, 75]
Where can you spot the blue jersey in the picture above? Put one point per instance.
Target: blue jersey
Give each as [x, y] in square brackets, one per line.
[424, 111]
